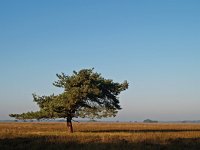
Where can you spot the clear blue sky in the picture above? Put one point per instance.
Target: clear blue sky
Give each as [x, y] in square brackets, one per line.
[155, 45]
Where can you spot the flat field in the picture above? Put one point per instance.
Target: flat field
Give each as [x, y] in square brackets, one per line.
[111, 136]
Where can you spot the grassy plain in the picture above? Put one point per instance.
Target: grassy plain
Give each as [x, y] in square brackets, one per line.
[111, 136]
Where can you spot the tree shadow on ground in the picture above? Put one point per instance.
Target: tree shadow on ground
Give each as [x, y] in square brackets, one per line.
[143, 131]
[44, 143]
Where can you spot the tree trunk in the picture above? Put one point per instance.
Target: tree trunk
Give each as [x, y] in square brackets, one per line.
[69, 125]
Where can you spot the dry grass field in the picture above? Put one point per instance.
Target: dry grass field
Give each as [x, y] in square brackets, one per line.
[111, 136]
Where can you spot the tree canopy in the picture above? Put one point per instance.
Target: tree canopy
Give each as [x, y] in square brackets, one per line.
[86, 94]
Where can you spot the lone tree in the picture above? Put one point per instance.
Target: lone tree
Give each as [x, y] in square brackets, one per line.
[86, 94]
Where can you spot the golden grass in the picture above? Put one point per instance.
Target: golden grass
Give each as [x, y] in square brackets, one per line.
[100, 136]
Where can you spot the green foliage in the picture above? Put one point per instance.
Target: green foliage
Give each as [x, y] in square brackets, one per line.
[86, 94]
